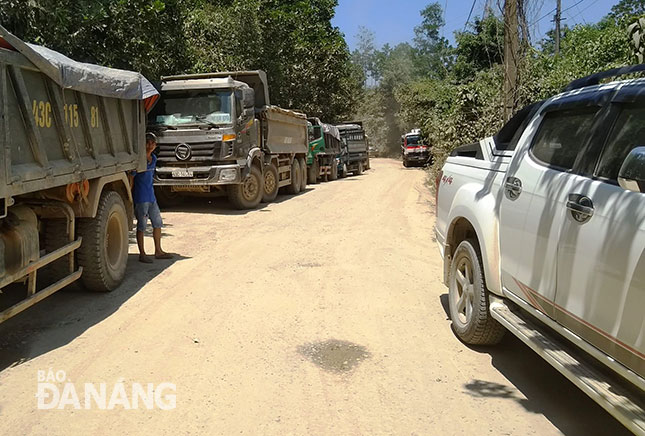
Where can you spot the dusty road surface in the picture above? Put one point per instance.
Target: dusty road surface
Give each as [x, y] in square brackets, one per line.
[321, 314]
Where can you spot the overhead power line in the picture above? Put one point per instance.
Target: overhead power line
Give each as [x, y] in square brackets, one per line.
[470, 14]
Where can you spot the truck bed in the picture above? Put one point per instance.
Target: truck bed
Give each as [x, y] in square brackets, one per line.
[284, 131]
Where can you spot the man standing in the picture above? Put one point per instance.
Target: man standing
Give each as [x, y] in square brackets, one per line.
[145, 204]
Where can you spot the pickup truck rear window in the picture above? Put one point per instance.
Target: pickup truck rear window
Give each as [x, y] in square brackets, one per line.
[628, 132]
[561, 136]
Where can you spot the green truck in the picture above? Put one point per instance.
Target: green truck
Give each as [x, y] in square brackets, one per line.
[324, 147]
[70, 133]
[218, 134]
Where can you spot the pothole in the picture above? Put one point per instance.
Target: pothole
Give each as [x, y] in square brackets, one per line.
[334, 355]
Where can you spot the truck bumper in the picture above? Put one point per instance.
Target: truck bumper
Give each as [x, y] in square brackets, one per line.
[199, 176]
[420, 158]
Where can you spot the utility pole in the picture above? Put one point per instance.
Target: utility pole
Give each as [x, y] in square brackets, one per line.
[557, 19]
[511, 56]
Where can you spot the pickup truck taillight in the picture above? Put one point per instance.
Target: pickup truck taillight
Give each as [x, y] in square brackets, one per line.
[436, 192]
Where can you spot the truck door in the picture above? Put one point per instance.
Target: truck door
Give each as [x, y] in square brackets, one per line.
[534, 198]
[601, 261]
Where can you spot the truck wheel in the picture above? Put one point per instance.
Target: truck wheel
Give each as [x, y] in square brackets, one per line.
[103, 254]
[304, 174]
[312, 173]
[270, 183]
[367, 165]
[405, 163]
[359, 170]
[343, 172]
[334, 171]
[468, 298]
[167, 198]
[294, 187]
[248, 194]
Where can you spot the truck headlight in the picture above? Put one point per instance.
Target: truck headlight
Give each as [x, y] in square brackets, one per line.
[228, 175]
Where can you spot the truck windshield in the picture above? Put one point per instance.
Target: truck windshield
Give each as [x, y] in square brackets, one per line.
[193, 107]
[413, 140]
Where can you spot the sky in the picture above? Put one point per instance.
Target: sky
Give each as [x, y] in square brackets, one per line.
[393, 21]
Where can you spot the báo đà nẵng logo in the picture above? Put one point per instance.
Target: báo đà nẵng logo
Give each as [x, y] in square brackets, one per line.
[56, 391]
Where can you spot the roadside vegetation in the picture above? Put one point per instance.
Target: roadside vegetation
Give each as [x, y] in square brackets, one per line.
[454, 94]
[306, 59]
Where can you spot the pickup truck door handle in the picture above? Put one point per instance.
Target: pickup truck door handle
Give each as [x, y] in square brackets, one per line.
[513, 187]
[581, 207]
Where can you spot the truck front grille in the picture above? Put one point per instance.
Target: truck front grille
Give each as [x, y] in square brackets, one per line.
[199, 152]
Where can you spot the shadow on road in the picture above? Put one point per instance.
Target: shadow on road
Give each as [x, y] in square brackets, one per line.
[64, 316]
[546, 391]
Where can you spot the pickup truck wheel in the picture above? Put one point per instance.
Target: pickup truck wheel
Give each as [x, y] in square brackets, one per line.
[312, 173]
[333, 175]
[103, 254]
[405, 163]
[304, 174]
[247, 195]
[468, 298]
[294, 187]
[270, 183]
[167, 198]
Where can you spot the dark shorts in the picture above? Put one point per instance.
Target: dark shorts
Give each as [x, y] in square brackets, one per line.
[143, 211]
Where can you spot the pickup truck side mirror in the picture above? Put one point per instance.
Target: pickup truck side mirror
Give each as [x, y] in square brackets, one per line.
[632, 173]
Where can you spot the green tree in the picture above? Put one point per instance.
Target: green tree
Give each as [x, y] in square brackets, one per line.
[432, 51]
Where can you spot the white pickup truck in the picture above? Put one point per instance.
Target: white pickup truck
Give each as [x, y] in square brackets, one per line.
[542, 232]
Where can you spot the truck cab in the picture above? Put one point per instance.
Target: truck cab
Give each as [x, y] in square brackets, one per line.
[217, 134]
[414, 149]
[324, 146]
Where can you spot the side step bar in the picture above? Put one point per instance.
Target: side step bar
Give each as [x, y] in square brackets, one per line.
[624, 402]
[29, 271]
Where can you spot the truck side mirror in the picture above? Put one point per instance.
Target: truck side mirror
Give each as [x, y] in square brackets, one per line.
[248, 98]
[631, 175]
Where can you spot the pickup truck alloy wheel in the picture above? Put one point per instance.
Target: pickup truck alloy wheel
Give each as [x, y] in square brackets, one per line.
[103, 253]
[468, 298]
[270, 183]
[247, 195]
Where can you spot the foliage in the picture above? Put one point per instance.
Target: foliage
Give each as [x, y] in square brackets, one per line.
[306, 59]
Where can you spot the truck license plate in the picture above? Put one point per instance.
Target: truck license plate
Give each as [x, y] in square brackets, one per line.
[182, 173]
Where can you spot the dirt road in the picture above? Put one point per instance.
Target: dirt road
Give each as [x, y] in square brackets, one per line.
[318, 314]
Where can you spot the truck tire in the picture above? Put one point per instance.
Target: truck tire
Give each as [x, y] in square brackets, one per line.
[304, 176]
[359, 170]
[103, 254]
[334, 171]
[343, 171]
[166, 198]
[468, 298]
[248, 194]
[312, 173]
[294, 187]
[270, 183]
[405, 163]
[367, 165]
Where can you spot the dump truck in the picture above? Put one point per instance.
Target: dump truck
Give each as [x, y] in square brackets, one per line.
[324, 147]
[354, 158]
[218, 134]
[71, 132]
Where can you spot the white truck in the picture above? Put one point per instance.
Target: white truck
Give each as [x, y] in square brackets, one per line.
[542, 232]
